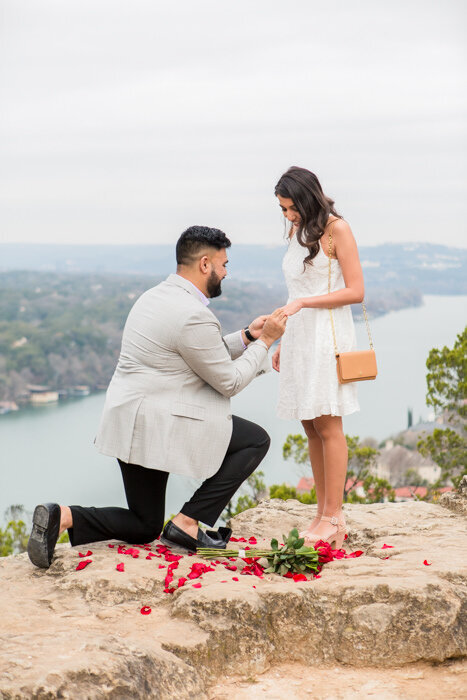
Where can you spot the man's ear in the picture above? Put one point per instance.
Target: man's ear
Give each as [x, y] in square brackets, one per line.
[204, 263]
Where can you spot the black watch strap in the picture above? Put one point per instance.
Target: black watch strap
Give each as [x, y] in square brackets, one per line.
[248, 335]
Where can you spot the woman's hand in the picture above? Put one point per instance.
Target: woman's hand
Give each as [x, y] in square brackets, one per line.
[256, 326]
[292, 308]
[276, 359]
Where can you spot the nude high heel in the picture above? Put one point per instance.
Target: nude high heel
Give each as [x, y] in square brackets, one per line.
[337, 531]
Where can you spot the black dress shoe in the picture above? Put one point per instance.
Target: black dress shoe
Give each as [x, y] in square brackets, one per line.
[173, 535]
[44, 534]
[223, 534]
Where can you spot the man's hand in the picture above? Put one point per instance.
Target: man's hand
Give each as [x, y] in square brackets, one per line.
[274, 327]
[276, 359]
[256, 326]
[293, 307]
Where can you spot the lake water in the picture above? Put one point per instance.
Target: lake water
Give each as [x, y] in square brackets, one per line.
[47, 453]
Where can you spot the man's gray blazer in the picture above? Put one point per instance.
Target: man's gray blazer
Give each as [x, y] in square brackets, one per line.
[168, 403]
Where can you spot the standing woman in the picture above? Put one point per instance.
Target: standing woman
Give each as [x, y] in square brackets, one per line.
[309, 389]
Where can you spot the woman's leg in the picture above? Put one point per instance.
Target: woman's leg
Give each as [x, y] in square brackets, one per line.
[335, 455]
[315, 449]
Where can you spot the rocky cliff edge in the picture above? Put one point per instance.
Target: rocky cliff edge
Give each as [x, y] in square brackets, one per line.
[72, 633]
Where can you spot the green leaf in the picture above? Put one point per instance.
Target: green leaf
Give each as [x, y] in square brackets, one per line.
[274, 544]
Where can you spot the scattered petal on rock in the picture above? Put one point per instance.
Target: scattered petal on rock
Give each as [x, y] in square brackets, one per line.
[234, 578]
[88, 554]
[182, 581]
[198, 569]
[387, 546]
[354, 555]
[161, 566]
[427, 563]
[83, 564]
[120, 567]
[299, 577]
[111, 546]
[196, 585]
[145, 610]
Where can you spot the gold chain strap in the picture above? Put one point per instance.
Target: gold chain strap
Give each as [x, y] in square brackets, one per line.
[330, 310]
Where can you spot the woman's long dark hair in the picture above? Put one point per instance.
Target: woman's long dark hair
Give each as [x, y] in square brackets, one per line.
[304, 189]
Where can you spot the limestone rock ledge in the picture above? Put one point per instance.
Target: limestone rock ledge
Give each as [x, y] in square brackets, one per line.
[79, 634]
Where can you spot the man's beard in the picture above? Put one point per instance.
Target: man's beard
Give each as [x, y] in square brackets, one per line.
[214, 285]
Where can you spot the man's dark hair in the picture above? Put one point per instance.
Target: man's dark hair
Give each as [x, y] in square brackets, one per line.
[195, 239]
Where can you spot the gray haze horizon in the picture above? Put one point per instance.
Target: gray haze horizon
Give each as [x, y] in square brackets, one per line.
[125, 123]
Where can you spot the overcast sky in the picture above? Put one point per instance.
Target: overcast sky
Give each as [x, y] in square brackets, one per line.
[126, 122]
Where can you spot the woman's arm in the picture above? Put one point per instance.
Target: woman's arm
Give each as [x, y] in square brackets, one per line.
[345, 248]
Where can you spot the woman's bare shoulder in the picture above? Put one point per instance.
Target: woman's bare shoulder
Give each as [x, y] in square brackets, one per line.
[340, 226]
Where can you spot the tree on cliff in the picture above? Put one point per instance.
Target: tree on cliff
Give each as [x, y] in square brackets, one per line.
[447, 391]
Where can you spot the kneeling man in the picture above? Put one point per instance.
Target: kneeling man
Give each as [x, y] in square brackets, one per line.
[167, 410]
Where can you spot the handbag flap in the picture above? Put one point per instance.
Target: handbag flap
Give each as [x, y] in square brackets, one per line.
[358, 364]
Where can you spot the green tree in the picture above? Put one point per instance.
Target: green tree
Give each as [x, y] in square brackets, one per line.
[285, 493]
[447, 378]
[296, 447]
[14, 536]
[447, 391]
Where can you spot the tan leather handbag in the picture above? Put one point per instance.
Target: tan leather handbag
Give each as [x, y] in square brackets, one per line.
[358, 365]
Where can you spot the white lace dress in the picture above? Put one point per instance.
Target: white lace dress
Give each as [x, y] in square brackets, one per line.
[308, 385]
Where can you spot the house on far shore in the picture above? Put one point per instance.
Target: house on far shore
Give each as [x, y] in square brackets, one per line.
[394, 461]
[408, 493]
[40, 395]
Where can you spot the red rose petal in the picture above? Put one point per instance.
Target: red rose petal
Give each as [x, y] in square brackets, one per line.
[198, 569]
[252, 540]
[223, 581]
[120, 567]
[385, 557]
[427, 563]
[88, 554]
[83, 564]
[196, 585]
[181, 581]
[299, 577]
[387, 546]
[318, 576]
[111, 546]
[234, 578]
[354, 555]
[161, 566]
[145, 610]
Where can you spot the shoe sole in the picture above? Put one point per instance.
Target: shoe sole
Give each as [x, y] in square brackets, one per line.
[176, 547]
[37, 544]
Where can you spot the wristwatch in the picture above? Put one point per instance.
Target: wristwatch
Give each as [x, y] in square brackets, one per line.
[248, 334]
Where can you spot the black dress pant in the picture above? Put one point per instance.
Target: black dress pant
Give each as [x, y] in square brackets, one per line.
[145, 490]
